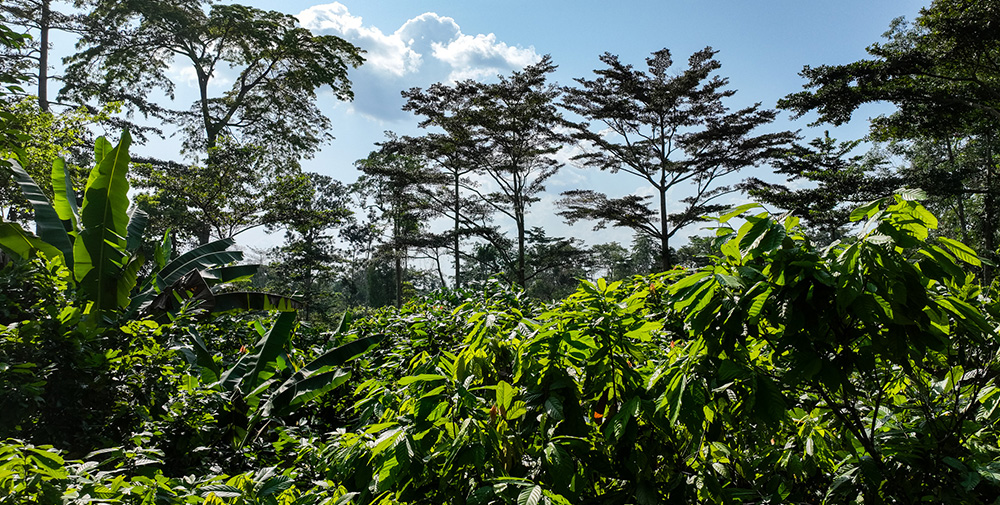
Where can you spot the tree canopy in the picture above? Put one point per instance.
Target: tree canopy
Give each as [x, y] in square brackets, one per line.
[669, 130]
[277, 67]
[940, 73]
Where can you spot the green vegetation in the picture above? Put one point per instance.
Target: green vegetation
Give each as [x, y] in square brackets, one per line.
[846, 351]
[778, 372]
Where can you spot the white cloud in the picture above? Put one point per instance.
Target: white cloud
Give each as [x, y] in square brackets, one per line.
[385, 53]
[426, 49]
[479, 56]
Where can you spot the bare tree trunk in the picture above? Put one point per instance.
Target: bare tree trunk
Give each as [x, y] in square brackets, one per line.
[520, 274]
[665, 262]
[399, 278]
[989, 221]
[43, 56]
[458, 271]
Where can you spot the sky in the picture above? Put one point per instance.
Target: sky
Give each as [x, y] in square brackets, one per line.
[762, 46]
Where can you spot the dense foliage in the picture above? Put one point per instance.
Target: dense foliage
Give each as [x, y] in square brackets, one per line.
[851, 361]
[779, 372]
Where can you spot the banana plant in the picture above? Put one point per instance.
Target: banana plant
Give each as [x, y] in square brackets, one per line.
[194, 274]
[99, 240]
[100, 243]
[266, 383]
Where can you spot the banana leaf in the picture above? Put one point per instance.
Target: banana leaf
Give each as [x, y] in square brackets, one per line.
[181, 262]
[316, 378]
[48, 226]
[251, 300]
[136, 228]
[99, 252]
[20, 243]
[163, 251]
[244, 373]
[64, 201]
[199, 355]
[189, 287]
[229, 273]
[199, 263]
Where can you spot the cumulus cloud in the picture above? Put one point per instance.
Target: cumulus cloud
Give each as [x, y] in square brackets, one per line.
[426, 49]
[475, 57]
[385, 53]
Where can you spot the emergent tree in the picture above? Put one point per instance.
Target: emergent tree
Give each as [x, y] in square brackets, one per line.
[275, 65]
[516, 120]
[452, 149]
[671, 131]
[941, 73]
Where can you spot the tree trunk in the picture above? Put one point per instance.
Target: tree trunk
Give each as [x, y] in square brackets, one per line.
[399, 278]
[43, 56]
[520, 274]
[204, 233]
[665, 262]
[458, 271]
[989, 211]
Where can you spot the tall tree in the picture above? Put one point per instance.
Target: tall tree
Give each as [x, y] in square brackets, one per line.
[517, 122]
[304, 264]
[396, 185]
[239, 190]
[39, 18]
[275, 66]
[454, 151]
[554, 265]
[669, 130]
[840, 181]
[941, 73]
[42, 139]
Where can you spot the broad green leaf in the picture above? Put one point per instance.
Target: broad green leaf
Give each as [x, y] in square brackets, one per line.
[616, 428]
[764, 236]
[99, 251]
[220, 490]
[47, 459]
[689, 281]
[64, 201]
[866, 211]
[163, 252]
[203, 356]
[758, 304]
[505, 394]
[319, 375]
[672, 398]
[769, 403]
[202, 262]
[20, 243]
[343, 322]
[554, 408]
[424, 377]
[136, 228]
[48, 226]
[961, 251]
[735, 211]
[249, 300]
[230, 273]
[912, 194]
[246, 371]
[180, 263]
[530, 496]
[129, 277]
[102, 147]
[274, 485]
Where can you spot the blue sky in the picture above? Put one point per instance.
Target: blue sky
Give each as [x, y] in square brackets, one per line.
[762, 47]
